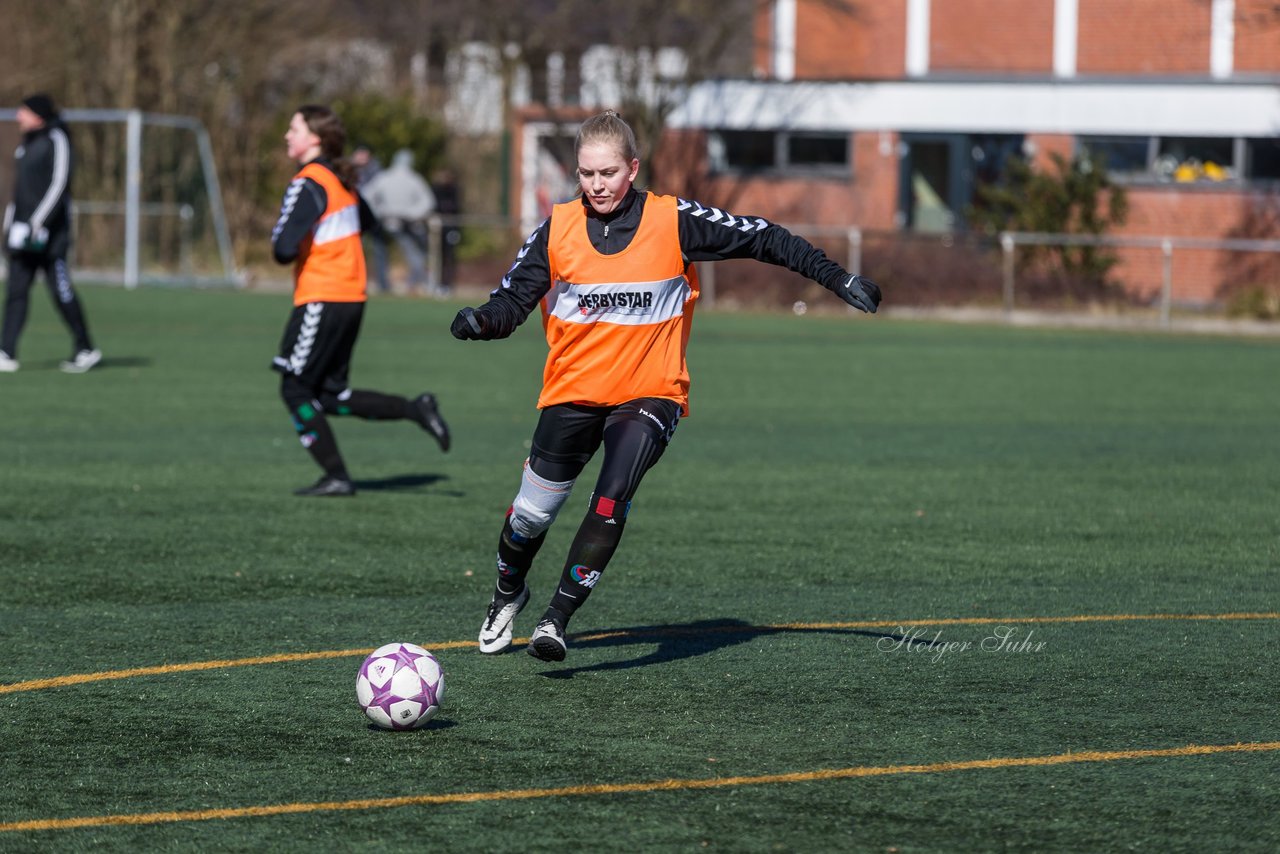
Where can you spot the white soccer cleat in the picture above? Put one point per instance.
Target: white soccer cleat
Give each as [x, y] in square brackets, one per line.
[547, 642]
[495, 632]
[82, 361]
[8, 364]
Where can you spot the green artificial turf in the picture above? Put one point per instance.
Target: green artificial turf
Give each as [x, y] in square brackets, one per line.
[841, 483]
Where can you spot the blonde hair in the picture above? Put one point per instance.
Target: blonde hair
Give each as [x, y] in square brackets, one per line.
[608, 128]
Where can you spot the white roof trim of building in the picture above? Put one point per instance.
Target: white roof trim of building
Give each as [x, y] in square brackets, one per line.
[1094, 108]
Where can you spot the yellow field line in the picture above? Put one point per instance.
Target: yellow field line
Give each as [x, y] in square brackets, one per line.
[164, 669]
[160, 669]
[669, 785]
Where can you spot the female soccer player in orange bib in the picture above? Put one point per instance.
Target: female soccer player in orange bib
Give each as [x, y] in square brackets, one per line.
[321, 219]
[613, 274]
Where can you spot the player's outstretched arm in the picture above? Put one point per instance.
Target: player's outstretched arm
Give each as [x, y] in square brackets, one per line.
[524, 286]
[710, 234]
[497, 318]
[859, 292]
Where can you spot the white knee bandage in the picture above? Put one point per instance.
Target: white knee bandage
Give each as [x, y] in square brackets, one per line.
[537, 503]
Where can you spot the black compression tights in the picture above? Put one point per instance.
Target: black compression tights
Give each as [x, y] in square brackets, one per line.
[631, 448]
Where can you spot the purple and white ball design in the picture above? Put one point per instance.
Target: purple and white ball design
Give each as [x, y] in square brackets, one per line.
[400, 686]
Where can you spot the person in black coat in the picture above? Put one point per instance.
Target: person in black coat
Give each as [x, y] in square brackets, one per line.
[37, 233]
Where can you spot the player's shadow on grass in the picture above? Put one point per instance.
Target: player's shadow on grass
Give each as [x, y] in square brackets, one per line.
[399, 482]
[108, 363]
[684, 640]
[123, 362]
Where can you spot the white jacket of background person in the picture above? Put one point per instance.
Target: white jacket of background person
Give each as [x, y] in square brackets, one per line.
[398, 195]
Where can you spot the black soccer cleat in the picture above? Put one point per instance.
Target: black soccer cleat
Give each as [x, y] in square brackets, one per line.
[329, 487]
[425, 411]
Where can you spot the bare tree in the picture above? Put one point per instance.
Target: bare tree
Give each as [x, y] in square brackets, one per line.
[241, 67]
[235, 66]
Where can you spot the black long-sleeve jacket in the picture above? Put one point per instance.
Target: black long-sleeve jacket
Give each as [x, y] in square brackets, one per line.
[41, 188]
[706, 234]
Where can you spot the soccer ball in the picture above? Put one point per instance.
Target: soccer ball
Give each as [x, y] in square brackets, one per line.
[400, 686]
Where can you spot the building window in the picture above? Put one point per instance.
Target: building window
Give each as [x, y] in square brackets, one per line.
[817, 151]
[740, 152]
[1262, 159]
[1122, 157]
[1187, 159]
[1180, 159]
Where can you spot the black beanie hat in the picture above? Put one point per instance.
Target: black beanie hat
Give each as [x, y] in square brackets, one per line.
[42, 106]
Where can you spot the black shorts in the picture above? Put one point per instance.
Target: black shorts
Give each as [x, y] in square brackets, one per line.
[634, 435]
[317, 344]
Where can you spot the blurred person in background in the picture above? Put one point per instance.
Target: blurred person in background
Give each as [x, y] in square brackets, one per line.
[448, 205]
[321, 220]
[37, 230]
[402, 200]
[367, 166]
[613, 274]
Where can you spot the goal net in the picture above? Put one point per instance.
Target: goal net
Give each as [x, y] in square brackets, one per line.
[146, 205]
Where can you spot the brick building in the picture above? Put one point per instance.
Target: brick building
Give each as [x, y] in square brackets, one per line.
[888, 114]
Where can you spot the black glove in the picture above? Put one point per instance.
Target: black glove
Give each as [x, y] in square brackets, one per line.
[468, 324]
[861, 293]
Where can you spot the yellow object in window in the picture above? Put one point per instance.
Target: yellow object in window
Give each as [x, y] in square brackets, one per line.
[1187, 171]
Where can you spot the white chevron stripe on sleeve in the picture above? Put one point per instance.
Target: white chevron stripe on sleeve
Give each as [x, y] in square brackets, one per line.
[286, 207]
[58, 181]
[524, 250]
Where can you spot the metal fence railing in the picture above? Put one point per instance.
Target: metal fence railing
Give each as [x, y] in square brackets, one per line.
[848, 244]
[1010, 240]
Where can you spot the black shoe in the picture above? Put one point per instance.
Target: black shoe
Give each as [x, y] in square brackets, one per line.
[426, 413]
[328, 487]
